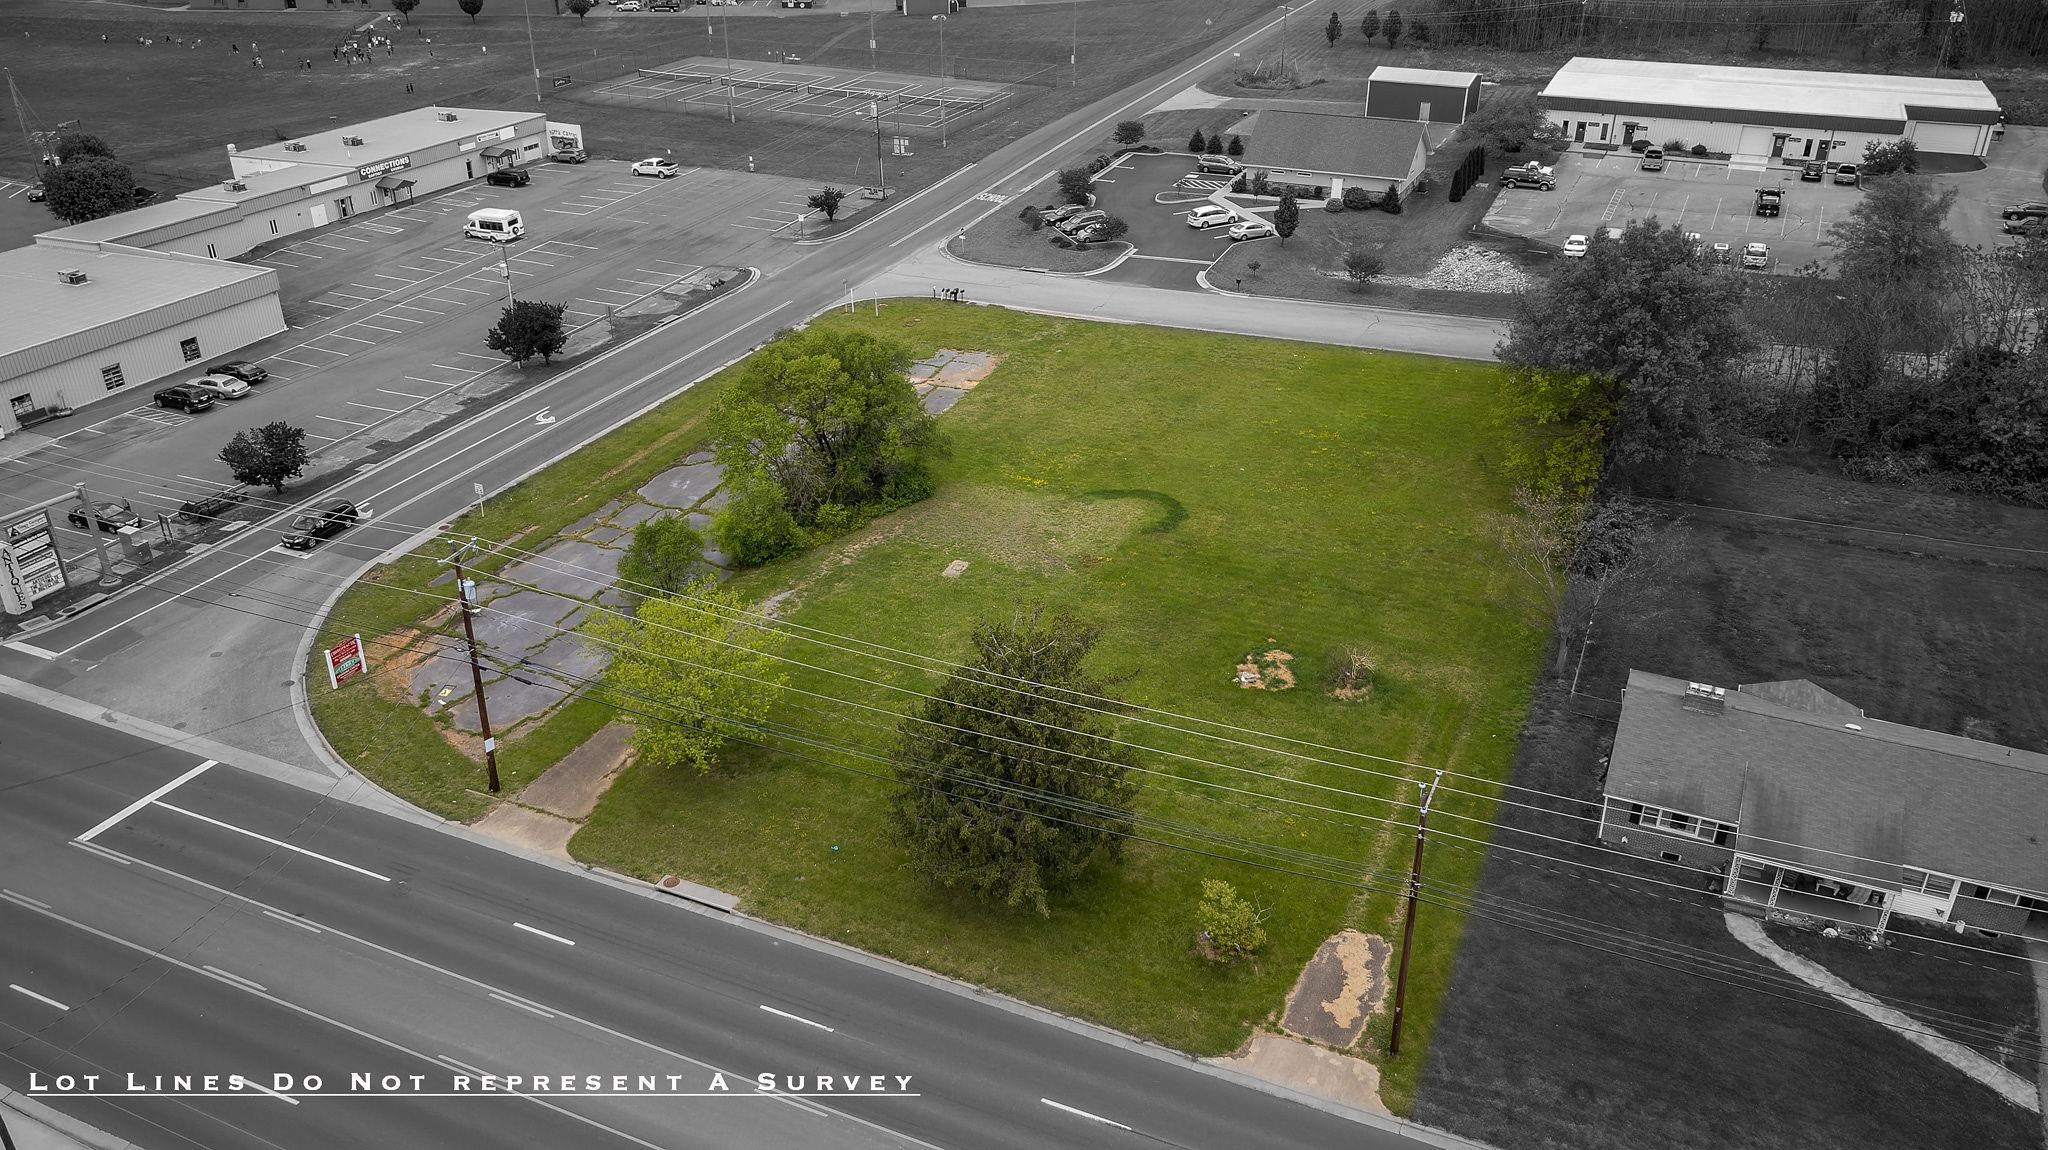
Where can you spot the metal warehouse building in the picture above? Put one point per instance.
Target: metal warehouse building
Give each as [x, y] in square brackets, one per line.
[1421, 94]
[1762, 115]
[89, 321]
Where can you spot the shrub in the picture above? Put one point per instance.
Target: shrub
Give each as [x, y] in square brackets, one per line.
[1231, 927]
[1236, 147]
[1333, 204]
[1130, 131]
[1674, 144]
[755, 527]
[1262, 184]
[1357, 199]
[1352, 674]
[1699, 149]
[1360, 266]
[1639, 144]
[1882, 159]
[1032, 217]
[665, 557]
[1390, 201]
[1215, 145]
[1197, 142]
[1240, 185]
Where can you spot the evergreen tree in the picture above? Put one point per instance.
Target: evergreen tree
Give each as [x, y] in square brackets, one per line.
[1370, 26]
[1287, 216]
[1334, 29]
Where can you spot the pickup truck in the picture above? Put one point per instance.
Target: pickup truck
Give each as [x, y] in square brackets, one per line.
[1653, 160]
[1755, 255]
[1529, 176]
[1769, 201]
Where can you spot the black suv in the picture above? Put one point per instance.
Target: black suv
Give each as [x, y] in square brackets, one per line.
[509, 178]
[322, 522]
[2029, 211]
[1813, 171]
[111, 517]
[240, 369]
[184, 397]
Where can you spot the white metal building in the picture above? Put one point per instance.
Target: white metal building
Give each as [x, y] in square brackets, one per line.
[1768, 114]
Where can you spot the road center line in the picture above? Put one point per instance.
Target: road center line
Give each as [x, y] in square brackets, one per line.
[285, 918]
[272, 841]
[145, 800]
[1083, 1114]
[45, 999]
[231, 976]
[97, 849]
[545, 934]
[797, 1018]
[529, 1007]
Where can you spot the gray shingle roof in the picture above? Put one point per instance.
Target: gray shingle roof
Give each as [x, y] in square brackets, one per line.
[1327, 142]
[1899, 794]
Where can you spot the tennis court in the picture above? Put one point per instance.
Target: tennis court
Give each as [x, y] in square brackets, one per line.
[810, 93]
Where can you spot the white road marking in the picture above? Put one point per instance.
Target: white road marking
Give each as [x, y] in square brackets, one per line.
[796, 1018]
[29, 649]
[372, 406]
[95, 848]
[1083, 1114]
[460, 1065]
[406, 394]
[526, 1006]
[273, 842]
[545, 934]
[255, 1085]
[231, 976]
[350, 338]
[285, 918]
[338, 419]
[385, 330]
[45, 999]
[19, 897]
[415, 307]
[147, 799]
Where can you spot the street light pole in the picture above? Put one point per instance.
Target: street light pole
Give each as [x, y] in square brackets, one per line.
[881, 165]
[725, 30]
[1073, 44]
[505, 269]
[532, 55]
[942, 79]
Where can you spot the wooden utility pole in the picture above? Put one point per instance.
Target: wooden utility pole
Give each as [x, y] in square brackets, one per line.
[467, 589]
[1408, 930]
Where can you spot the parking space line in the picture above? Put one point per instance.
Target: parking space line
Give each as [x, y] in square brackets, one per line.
[374, 327]
[415, 307]
[338, 335]
[406, 394]
[477, 355]
[562, 212]
[338, 419]
[286, 359]
[572, 244]
[372, 406]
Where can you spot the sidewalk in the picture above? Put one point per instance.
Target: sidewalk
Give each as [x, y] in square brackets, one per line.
[1079, 297]
[35, 1126]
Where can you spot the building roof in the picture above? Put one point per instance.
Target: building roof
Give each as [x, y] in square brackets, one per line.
[1768, 94]
[1834, 786]
[123, 225]
[1423, 76]
[257, 185]
[49, 322]
[1328, 142]
[390, 136]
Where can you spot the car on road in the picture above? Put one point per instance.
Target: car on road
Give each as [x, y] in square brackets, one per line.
[1537, 176]
[322, 522]
[111, 517]
[1756, 255]
[241, 369]
[219, 386]
[1251, 230]
[1219, 165]
[183, 397]
[568, 155]
[36, 193]
[1653, 160]
[626, 6]
[1813, 171]
[1575, 247]
[509, 178]
[1209, 215]
[657, 167]
[665, 5]
[1845, 174]
[2032, 210]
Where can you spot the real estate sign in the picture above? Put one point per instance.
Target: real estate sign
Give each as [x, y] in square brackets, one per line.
[30, 568]
[345, 661]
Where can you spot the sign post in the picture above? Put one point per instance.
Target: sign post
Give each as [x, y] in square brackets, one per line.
[30, 568]
[345, 661]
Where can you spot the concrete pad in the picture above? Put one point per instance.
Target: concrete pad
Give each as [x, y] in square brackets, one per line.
[604, 536]
[1338, 990]
[571, 656]
[634, 514]
[572, 567]
[519, 621]
[682, 486]
[698, 457]
[1310, 1069]
[700, 522]
[939, 399]
[594, 518]
[572, 787]
[548, 834]
[718, 499]
[512, 702]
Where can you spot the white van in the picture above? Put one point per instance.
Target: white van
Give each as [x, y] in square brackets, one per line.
[500, 225]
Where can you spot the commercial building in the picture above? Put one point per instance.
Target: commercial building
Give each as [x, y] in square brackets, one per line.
[1762, 115]
[1421, 94]
[1805, 806]
[1329, 152]
[87, 321]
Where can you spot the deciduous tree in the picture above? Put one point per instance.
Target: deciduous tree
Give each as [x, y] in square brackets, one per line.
[527, 328]
[1393, 26]
[665, 557]
[826, 200]
[88, 189]
[1075, 184]
[1360, 266]
[1005, 787]
[470, 8]
[1130, 131]
[1897, 233]
[267, 456]
[1231, 927]
[404, 7]
[78, 145]
[577, 8]
[1505, 121]
[1884, 157]
[1334, 30]
[1369, 26]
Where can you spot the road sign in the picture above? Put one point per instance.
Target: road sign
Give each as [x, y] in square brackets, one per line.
[478, 488]
[345, 661]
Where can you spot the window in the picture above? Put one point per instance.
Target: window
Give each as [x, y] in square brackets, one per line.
[273, 227]
[1940, 886]
[1679, 823]
[189, 348]
[111, 375]
[211, 253]
[1669, 856]
[22, 404]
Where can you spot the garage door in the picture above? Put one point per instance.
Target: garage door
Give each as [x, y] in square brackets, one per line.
[1954, 139]
[1755, 142]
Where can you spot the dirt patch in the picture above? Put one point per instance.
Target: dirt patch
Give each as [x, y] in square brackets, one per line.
[572, 787]
[1352, 672]
[949, 368]
[1266, 671]
[1310, 1069]
[955, 569]
[1022, 528]
[1339, 989]
[534, 830]
[393, 679]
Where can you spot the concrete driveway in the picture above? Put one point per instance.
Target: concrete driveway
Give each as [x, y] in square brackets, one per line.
[2012, 175]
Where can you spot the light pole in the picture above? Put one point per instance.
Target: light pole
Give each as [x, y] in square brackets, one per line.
[942, 81]
[1073, 44]
[532, 57]
[505, 269]
[872, 66]
[726, 30]
[881, 165]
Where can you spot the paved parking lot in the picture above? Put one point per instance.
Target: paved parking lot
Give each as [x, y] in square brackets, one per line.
[2012, 175]
[1169, 252]
[1716, 200]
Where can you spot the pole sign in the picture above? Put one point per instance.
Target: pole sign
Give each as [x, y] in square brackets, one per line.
[345, 661]
[30, 568]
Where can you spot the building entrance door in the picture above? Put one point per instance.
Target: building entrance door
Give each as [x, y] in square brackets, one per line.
[1778, 147]
[344, 207]
[1579, 133]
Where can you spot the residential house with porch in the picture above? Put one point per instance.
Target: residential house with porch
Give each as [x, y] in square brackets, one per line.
[1806, 806]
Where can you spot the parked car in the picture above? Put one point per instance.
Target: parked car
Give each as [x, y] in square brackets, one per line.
[219, 386]
[1530, 176]
[1076, 222]
[1575, 247]
[1769, 201]
[183, 397]
[325, 521]
[209, 508]
[2022, 227]
[665, 5]
[143, 195]
[627, 6]
[569, 155]
[2033, 210]
[1052, 216]
[1219, 165]
[1251, 230]
[1845, 174]
[36, 193]
[1698, 243]
[1813, 171]
[111, 517]
[1209, 215]
[1723, 252]
[1756, 255]
[241, 369]
[655, 166]
[509, 178]
[1653, 160]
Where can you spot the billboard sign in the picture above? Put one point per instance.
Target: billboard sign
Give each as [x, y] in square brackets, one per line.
[30, 568]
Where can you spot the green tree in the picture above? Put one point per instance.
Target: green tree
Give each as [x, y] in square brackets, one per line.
[88, 189]
[1334, 30]
[1287, 216]
[470, 8]
[267, 456]
[1033, 216]
[1390, 201]
[1360, 266]
[527, 328]
[665, 556]
[1075, 184]
[754, 527]
[404, 7]
[1637, 337]
[577, 8]
[828, 421]
[1215, 145]
[1419, 30]
[1885, 157]
[1369, 27]
[1230, 926]
[703, 661]
[1109, 228]
[1130, 131]
[78, 145]
[826, 200]
[1006, 788]
[1897, 233]
[1197, 142]
[1235, 147]
[1393, 26]
[1505, 121]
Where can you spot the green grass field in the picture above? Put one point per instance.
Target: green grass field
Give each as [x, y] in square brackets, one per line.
[1202, 497]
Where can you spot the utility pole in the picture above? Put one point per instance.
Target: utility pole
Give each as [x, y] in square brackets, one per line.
[1955, 18]
[1284, 13]
[725, 30]
[942, 77]
[1408, 930]
[532, 57]
[872, 66]
[466, 587]
[1582, 20]
[1073, 44]
[37, 150]
[505, 269]
[881, 166]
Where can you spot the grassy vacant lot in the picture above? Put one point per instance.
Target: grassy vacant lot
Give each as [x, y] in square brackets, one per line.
[1614, 1052]
[1202, 497]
